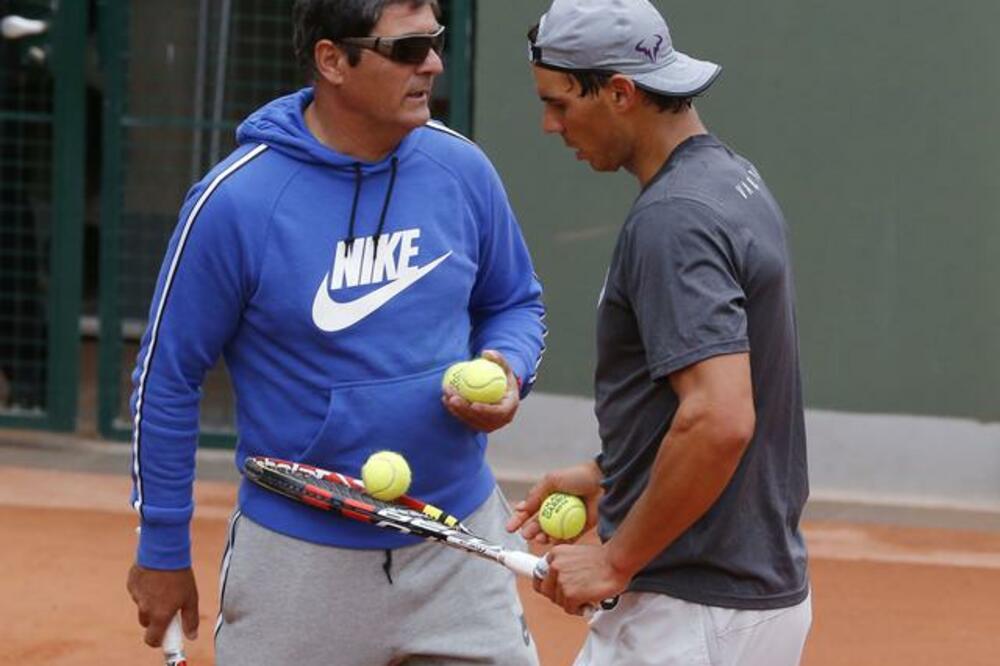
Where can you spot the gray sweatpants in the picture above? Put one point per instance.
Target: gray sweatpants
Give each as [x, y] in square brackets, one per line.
[286, 601]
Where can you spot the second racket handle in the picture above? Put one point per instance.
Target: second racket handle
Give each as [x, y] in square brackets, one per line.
[173, 644]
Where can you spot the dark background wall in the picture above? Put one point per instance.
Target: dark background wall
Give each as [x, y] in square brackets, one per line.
[875, 125]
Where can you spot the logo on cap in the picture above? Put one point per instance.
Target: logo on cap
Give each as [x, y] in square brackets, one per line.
[650, 53]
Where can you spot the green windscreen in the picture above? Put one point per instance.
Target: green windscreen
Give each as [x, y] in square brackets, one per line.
[874, 125]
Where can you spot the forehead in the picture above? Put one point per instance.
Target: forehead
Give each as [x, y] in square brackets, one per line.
[552, 84]
[401, 18]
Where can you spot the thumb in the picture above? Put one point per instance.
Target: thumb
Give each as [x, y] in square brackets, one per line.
[533, 500]
[496, 357]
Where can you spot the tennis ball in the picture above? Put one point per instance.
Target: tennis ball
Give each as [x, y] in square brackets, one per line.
[386, 475]
[451, 375]
[562, 516]
[480, 380]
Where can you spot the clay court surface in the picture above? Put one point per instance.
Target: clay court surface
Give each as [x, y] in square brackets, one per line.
[882, 595]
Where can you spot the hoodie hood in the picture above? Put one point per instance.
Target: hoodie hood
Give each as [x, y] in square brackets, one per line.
[281, 125]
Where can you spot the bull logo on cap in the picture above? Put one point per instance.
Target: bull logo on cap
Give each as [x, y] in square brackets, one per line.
[650, 53]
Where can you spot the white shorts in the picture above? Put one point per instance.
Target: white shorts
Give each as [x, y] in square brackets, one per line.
[648, 629]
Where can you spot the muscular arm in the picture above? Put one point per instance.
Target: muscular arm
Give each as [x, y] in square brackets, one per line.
[697, 458]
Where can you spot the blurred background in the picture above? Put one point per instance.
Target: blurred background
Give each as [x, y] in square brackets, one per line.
[872, 122]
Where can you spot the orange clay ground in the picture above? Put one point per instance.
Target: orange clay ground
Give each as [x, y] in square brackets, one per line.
[882, 595]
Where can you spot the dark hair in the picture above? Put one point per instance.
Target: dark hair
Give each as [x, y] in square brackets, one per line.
[593, 80]
[314, 20]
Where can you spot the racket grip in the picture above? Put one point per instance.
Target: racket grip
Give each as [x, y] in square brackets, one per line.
[523, 564]
[173, 644]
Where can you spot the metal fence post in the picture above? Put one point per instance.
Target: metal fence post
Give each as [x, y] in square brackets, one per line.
[68, 47]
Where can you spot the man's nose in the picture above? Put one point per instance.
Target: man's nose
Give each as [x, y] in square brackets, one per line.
[550, 124]
[432, 64]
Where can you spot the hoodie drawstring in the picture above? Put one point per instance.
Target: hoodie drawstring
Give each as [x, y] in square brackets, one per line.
[354, 207]
[385, 205]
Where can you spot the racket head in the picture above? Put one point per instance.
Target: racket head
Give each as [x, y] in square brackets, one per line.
[334, 491]
[345, 495]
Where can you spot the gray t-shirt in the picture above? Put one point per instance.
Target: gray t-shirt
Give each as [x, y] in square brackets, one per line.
[701, 269]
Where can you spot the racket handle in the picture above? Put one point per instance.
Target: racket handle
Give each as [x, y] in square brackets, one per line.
[525, 564]
[173, 644]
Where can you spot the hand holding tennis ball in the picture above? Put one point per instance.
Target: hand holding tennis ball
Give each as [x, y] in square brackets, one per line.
[562, 516]
[478, 380]
[386, 475]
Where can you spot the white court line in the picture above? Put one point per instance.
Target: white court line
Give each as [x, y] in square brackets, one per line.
[856, 543]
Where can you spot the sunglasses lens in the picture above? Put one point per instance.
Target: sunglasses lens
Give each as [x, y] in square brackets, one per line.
[414, 50]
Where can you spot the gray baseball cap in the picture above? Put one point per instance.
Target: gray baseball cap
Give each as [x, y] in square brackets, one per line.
[625, 36]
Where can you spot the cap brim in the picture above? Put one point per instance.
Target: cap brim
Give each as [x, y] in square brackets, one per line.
[683, 77]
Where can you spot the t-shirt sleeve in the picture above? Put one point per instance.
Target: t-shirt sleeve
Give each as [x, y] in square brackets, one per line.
[683, 273]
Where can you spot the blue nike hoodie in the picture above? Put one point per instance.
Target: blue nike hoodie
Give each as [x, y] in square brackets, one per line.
[338, 291]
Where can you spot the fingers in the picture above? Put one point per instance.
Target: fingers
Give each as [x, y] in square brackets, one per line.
[497, 358]
[513, 387]
[525, 512]
[480, 416]
[189, 621]
[156, 628]
[551, 587]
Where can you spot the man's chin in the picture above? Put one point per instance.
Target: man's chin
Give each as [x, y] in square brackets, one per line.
[603, 167]
[415, 118]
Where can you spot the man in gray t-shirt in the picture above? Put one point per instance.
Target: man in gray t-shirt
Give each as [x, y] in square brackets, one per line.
[699, 488]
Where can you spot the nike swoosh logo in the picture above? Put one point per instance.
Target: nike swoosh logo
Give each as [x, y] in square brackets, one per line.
[330, 315]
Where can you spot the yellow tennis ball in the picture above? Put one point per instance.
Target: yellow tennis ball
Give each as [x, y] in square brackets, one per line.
[386, 475]
[451, 375]
[562, 516]
[480, 380]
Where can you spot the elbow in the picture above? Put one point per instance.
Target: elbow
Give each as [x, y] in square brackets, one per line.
[741, 428]
[731, 435]
[727, 431]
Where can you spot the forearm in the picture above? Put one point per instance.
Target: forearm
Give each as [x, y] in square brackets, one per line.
[696, 460]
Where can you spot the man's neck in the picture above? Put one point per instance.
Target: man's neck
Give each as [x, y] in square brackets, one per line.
[658, 137]
[348, 133]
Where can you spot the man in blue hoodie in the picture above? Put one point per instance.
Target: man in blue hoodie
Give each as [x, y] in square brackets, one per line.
[339, 260]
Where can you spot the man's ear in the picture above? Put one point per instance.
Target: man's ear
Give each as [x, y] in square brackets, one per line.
[623, 92]
[331, 61]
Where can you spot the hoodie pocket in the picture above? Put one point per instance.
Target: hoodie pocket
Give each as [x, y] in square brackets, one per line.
[402, 414]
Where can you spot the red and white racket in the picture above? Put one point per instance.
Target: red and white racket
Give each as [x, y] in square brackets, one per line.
[346, 496]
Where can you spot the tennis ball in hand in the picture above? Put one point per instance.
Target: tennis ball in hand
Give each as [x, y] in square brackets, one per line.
[386, 475]
[478, 380]
[451, 375]
[562, 516]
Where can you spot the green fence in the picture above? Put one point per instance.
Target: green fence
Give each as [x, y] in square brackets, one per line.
[179, 75]
[41, 201]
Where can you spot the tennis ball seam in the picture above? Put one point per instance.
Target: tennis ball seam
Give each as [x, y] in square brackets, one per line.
[489, 385]
[386, 475]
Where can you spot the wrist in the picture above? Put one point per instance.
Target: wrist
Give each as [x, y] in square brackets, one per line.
[624, 567]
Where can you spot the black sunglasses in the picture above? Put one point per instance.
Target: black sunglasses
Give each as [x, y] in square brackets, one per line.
[408, 49]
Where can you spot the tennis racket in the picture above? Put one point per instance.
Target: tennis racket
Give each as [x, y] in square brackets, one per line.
[346, 496]
[173, 644]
